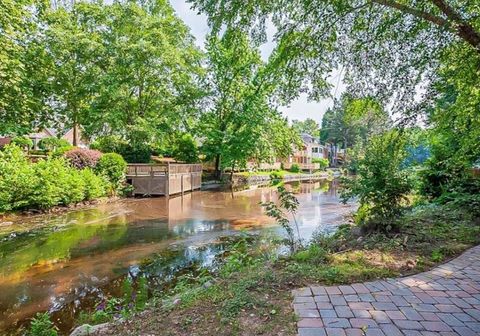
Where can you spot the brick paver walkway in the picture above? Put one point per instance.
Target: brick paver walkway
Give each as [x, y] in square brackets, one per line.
[444, 301]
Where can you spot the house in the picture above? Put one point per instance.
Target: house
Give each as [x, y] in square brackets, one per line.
[36, 137]
[41, 134]
[304, 155]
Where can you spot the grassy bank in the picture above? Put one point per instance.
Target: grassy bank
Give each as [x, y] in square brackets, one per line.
[250, 293]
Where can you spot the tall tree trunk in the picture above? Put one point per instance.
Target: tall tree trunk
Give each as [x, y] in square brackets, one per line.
[231, 172]
[75, 135]
[218, 172]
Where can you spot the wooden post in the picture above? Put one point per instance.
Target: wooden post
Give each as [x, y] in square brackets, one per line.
[167, 180]
[181, 182]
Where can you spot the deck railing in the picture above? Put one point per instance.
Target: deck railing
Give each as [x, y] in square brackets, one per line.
[139, 169]
[303, 166]
[164, 179]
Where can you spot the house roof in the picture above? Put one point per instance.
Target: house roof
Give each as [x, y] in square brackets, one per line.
[43, 133]
[307, 138]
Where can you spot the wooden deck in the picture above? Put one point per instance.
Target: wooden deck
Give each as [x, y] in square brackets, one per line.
[164, 179]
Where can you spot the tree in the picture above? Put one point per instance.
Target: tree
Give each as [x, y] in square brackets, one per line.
[382, 183]
[21, 101]
[352, 121]
[152, 74]
[116, 68]
[309, 126]
[239, 112]
[73, 44]
[385, 48]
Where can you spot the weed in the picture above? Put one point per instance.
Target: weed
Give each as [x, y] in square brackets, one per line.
[42, 326]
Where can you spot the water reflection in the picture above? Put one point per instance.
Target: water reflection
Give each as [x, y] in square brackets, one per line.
[81, 256]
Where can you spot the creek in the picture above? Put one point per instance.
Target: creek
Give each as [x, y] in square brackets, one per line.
[65, 263]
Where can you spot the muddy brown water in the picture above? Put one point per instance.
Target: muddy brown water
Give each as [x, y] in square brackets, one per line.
[66, 263]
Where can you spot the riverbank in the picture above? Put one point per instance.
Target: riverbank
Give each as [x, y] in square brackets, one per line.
[251, 295]
[259, 178]
[10, 222]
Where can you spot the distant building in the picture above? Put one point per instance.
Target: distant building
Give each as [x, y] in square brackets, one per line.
[36, 137]
[304, 155]
[41, 134]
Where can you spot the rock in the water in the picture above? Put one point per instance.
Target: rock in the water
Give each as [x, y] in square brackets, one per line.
[87, 329]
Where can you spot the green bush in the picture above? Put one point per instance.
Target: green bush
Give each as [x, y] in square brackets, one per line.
[185, 149]
[136, 153]
[295, 168]
[17, 179]
[381, 185]
[42, 326]
[53, 143]
[277, 175]
[50, 184]
[108, 144]
[95, 186]
[58, 184]
[324, 163]
[113, 167]
[76, 188]
[22, 142]
[42, 185]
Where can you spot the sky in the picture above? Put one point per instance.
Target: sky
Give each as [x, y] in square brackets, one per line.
[299, 109]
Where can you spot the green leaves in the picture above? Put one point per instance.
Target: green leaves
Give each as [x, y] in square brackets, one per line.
[386, 48]
[239, 121]
[381, 184]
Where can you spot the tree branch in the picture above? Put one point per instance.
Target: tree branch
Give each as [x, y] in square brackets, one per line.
[415, 12]
[454, 21]
[463, 28]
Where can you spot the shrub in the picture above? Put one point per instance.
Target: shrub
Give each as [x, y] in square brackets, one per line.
[17, 179]
[108, 144]
[53, 143]
[42, 326]
[23, 142]
[51, 185]
[185, 149]
[136, 153]
[95, 186]
[277, 175]
[381, 185]
[44, 184]
[58, 184]
[324, 163]
[60, 152]
[113, 167]
[83, 158]
[76, 188]
[295, 168]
